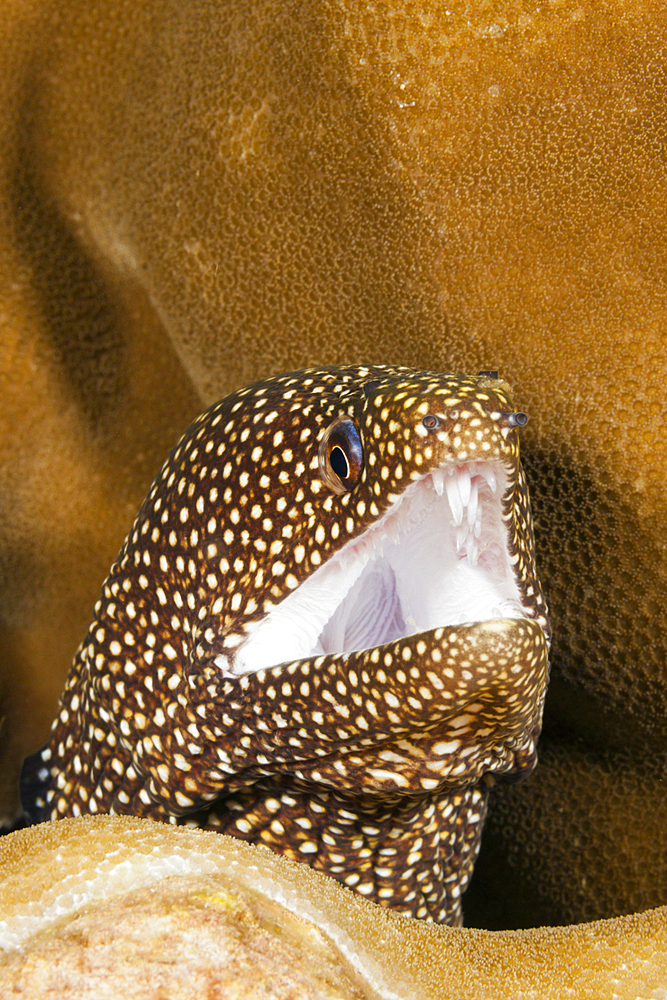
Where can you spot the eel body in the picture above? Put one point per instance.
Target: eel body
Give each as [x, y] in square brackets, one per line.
[324, 633]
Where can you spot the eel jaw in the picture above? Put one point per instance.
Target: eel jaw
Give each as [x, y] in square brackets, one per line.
[438, 557]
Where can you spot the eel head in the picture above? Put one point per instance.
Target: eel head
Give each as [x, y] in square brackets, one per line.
[325, 633]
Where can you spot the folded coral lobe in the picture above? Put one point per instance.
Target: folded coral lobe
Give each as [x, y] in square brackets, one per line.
[324, 633]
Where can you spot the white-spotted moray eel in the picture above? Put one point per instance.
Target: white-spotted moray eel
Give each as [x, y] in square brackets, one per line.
[324, 633]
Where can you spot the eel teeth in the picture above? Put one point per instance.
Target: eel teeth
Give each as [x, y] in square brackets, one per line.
[491, 480]
[465, 485]
[438, 479]
[455, 502]
[472, 506]
[462, 485]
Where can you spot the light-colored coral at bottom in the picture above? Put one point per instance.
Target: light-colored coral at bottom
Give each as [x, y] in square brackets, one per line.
[104, 907]
[190, 936]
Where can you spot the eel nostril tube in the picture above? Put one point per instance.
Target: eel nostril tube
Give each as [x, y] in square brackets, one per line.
[517, 419]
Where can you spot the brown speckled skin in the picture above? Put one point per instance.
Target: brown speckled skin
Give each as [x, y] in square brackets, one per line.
[370, 765]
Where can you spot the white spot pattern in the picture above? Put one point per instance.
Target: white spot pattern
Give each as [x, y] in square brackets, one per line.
[151, 723]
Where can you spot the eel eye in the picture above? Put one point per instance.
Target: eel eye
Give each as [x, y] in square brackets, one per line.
[430, 422]
[341, 456]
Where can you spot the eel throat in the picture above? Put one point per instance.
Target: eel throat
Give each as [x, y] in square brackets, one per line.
[324, 633]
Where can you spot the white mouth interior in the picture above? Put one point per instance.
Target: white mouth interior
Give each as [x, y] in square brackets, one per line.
[437, 557]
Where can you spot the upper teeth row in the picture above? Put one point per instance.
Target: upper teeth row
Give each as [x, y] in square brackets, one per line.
[461, 484]
[462, 488]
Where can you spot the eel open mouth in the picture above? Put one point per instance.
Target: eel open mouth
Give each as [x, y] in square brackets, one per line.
[438, 557]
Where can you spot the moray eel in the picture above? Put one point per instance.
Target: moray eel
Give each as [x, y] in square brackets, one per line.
[324, 633]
